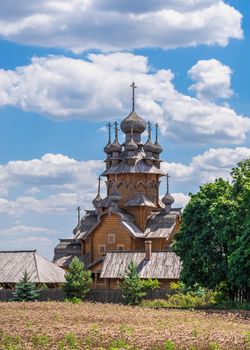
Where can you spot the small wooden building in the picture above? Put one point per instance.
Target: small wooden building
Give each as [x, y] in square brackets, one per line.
[13, 264]
[131, 215]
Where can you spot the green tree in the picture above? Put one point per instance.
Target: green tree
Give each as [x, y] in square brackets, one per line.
[25, 290]
[78, 280]
[239, 260]
[213, 242]
[133, 288]
[206, 234]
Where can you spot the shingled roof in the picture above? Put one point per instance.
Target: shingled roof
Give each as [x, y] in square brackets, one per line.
[162, 265]
[13, 264]
[161, 224]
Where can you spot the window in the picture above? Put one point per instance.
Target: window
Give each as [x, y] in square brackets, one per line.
[111, 238]
[102, 248]
[98, 278]
[120, 246]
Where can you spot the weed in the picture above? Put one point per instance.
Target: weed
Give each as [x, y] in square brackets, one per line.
[169, 345]
[213, 346]
[71, 341]
[194, 333]
[40, 341]
[126, 329]
[118, 344]
[247, 338]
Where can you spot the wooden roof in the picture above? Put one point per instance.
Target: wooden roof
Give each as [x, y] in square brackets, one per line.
[162, 265]
[40, 270]
[64, 260]
[140, 200]
[161, 224]
[140, 167]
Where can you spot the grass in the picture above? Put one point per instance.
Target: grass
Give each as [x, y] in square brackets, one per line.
[90, 326]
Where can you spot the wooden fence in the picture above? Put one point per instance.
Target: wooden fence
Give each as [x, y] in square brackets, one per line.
[96, 295]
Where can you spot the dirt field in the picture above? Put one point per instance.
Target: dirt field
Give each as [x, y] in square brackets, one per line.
[61, 326]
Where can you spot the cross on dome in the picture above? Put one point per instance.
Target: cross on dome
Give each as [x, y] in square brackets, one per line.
[133, 95]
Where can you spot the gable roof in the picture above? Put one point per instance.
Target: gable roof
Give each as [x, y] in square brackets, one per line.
[40, 270]
[126, 221]
[162, 265]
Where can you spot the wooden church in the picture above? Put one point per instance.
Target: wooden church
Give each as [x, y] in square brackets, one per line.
[131, 223]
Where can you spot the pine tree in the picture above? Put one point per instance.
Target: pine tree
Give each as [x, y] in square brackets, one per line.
[78, 280]
[25, 290]
[133, 288]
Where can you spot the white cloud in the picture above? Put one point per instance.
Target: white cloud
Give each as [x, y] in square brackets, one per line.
[54, 170]
[206, 167]
[81, 186]
[180, 200]
[213, 79]
[98, 88]
[20, 230]
[114, 25]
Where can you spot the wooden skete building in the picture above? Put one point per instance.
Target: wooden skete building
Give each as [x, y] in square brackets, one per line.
[131, 222]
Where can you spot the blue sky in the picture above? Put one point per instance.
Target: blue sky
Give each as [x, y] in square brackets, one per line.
[65, 71]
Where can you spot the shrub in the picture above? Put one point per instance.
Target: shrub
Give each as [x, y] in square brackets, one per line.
[78, 280]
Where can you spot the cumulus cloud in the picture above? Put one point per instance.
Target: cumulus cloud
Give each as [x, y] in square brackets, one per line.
[212, 79]
[84, 24]
[208, 166]
[180, 200]
[55, 170]
[81, 185]
[20, 230]
[98, 88]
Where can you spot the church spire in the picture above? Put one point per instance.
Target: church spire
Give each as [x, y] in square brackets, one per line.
[149, 147]
[107, 149]
[157, 148]
[139, 124]
[98, 197]
[168, 200]
[78, 215]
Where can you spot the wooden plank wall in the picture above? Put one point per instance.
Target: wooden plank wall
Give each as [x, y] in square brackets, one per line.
[110, 224]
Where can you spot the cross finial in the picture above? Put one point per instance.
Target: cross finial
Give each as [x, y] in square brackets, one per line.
[116, 131]
[149, 129]
[78, 214]
[156, 132]
[133, 95]
[109, 128]
[99, 184]
[167, 177]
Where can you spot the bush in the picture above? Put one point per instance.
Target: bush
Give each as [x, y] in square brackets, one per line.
[185, 298]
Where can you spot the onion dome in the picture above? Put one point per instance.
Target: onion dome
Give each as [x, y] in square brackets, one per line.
[158, 148]
[96, 201]
[107, 149]
[168, 199]
[115, 146]
[149, 146]
[139, 124]
[115, 196]
[131, 145]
